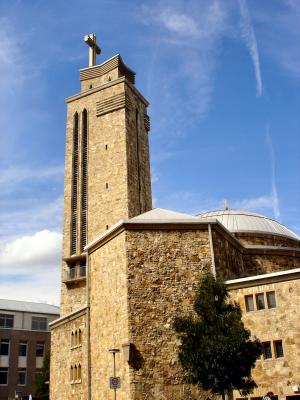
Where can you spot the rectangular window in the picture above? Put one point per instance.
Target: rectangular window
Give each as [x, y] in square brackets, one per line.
[278, 348]
[3, 376]
[4, 347]
[6, 321]
[249, 302]
[72, 272]
[39, 324]
[260, 301]
[39, 349]
[271, 300]
[23, 349]
[266, 349]
[22, 376]
[82, 270]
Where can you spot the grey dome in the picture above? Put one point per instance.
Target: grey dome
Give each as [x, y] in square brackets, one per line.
[245, 221]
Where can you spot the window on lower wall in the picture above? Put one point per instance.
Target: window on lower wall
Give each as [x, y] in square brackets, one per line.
[71, 374]
[23, 349]
[6, 321]
[4, 347]
[39, 323]
[266, 350]
[260, 301]
[39, 349]
[271, 300]
[278, 348]
[22, 376]
[249, 303]
[3, 376]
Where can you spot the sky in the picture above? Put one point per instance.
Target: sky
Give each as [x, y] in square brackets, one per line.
[223, 82]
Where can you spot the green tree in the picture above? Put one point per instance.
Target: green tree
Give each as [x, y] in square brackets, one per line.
[42, 380]
[216, 351]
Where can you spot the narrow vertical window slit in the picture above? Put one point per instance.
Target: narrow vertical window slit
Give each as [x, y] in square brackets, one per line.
[84, 180]
[74, 186]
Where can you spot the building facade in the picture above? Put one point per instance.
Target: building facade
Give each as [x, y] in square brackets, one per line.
[128, 269]
[24, 340]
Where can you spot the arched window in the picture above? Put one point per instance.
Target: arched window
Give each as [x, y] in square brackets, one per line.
[84, 170]
[71, 374]
[72, 339]
[79, 373]
[74, 198]
[76, 338]
[75, 373]
[79, 336]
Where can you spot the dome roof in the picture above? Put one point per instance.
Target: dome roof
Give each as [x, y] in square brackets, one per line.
[245, 221]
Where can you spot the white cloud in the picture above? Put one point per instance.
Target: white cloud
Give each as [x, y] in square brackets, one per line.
[30, 215]
[29, 253]
[279, 30]
[257, 204]
[11, 66]
[179, 23]
[276, 209]
[186, 38]
[251, 43]
[30, 267]
[43, 288]
[16, 175]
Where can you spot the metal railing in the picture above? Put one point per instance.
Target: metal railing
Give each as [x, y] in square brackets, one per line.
[75, 273]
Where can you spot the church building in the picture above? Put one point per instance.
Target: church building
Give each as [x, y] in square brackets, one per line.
[129, 269]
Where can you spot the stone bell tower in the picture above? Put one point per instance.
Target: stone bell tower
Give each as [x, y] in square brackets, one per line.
[107, 170]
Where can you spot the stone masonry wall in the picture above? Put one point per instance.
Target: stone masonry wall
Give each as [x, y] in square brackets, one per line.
[138, 159]
[109, 317]
[111, 195]
[257, 264]
[280, 323]
[228, 257]
[164, 268]
[63, 356]
[266, 240]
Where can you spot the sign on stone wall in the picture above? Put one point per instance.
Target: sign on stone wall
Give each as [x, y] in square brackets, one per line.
[115, 382]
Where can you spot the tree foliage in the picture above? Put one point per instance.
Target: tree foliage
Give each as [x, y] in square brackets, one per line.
[216, 350]
[42, 380]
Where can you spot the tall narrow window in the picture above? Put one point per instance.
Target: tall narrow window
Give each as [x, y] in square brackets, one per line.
[84, 179]
[249, 302]
[260, 301]
[278, 348]
[266, 350]
[4, 347]
[74, 186]
[79, 373]
[271, 299]
[23, 349]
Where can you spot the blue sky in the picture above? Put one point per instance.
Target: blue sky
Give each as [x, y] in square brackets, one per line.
[223, 81]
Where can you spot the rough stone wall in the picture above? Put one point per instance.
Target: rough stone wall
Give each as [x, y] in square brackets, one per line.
[280, 323]
[100, 80]
[266, 240]
[257, 264]
[138, 159]
[112, 188]
[164, 268]
[228, 257]
[63, 356]
[109, 317]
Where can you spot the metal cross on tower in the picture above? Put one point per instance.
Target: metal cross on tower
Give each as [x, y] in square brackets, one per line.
[94, 49]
